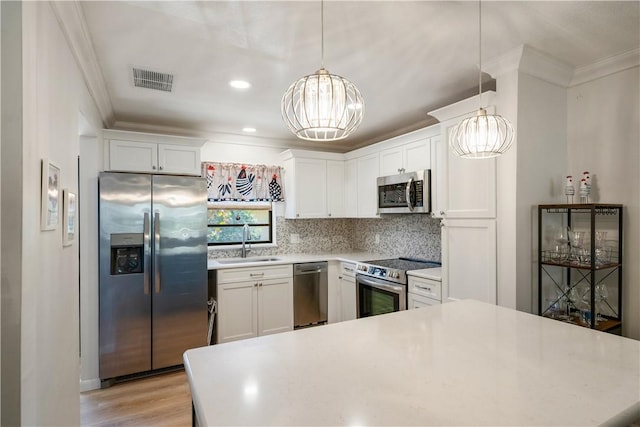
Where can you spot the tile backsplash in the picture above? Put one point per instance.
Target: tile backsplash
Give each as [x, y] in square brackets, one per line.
[411, 235]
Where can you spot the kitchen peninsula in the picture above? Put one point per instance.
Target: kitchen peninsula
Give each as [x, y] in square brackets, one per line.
[461, 363]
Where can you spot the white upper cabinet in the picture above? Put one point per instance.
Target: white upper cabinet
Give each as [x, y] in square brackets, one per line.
[351, 188]
[367, 190]
[410, 157]
[150, 153]
[465, 188]
[335, 189]
[314, 185]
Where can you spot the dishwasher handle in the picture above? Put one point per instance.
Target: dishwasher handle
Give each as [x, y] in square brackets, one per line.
[310, 268]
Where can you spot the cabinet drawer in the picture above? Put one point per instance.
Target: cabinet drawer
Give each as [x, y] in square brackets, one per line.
[232, 275]
[348, 269]
[418, 301]
[425, 287]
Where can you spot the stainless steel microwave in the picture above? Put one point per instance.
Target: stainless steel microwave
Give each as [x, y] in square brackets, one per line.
[405, 193]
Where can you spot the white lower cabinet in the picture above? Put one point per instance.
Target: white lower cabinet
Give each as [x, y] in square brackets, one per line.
[469, 260]
[254, 302]
[342, 293]
[348, 292]
[422, 292]
[418, 301]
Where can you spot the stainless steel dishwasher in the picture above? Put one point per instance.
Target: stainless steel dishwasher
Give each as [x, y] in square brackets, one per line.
[310, 290]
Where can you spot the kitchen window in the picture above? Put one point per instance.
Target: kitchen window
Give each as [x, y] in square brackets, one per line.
[225, 222]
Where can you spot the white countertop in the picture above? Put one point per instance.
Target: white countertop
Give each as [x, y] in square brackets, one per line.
[213, 264]
[460, 363]
[427, 273]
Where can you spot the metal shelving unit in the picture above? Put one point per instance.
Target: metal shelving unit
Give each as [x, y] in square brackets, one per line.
[581, 283]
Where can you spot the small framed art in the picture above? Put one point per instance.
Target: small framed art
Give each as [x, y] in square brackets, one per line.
[50, 190]
[69, 210]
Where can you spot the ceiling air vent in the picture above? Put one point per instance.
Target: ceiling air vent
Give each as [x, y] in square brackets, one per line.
[152, 79]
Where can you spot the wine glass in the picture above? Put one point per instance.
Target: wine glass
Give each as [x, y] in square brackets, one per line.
[602, 293]
[576, 241]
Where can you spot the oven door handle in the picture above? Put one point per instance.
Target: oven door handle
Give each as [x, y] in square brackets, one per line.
[408, 194]
[379, 285]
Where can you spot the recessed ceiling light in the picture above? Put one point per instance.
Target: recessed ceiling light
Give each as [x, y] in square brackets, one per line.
[240, 84]
[355, 106]
[248, 129]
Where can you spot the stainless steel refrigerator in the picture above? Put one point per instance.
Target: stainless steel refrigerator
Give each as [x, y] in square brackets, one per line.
[153, 271]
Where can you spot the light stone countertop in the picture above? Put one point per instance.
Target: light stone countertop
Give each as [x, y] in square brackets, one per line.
[460, 363]
[213, 264]
[427, 273]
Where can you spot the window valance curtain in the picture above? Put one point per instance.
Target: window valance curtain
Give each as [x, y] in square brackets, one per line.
[239, 182]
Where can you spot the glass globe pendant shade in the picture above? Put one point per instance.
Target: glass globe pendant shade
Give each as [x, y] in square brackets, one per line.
[482, 136]
[322, 107]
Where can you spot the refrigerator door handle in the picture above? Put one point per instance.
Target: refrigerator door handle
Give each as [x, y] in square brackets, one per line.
[156, 252]
[147, 251]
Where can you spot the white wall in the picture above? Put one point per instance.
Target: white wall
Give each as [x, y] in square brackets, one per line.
[604, 138]
[542, 160]
[91, 161]
[54, 94]
[11, 147]
[214, 151]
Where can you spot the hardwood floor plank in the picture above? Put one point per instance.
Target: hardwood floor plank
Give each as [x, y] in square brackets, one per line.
[161, 400]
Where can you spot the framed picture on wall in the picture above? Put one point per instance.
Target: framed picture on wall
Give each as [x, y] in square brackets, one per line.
[50, 195]
[68, 217]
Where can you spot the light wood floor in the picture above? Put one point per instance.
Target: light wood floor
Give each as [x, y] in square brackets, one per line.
[161, 400]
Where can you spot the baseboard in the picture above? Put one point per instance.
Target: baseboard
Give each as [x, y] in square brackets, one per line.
[88, 385]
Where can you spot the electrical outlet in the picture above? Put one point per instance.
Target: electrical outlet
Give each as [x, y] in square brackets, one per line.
[377, 239]
[294, 238]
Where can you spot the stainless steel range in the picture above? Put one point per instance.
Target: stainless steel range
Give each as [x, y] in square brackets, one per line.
[382, 284]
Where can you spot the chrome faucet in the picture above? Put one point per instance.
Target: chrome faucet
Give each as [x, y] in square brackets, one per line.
[245, 236]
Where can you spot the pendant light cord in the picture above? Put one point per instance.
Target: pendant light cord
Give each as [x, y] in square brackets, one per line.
[322, 33]
[480, 52]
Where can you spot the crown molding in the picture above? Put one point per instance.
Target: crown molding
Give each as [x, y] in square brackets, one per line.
[535, 63]
[465, 106]
[74, 27]
[608, 66]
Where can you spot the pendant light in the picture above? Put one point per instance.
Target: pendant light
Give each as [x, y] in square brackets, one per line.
[484, 135]
[322, 106]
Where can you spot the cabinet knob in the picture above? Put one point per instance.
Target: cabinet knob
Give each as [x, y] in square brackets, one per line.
[297, 215]
[153, 167]
[160, 168]
[329, 214]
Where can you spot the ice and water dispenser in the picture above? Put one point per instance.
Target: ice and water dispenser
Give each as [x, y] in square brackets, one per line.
[127, 253]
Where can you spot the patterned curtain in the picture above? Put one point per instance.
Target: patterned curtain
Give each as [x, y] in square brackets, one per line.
[238, 182]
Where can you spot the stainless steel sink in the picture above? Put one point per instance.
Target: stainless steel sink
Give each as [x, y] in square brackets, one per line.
[226, 261]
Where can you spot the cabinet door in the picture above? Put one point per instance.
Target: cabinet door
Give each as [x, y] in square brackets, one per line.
[275, 306]
[351, 188]
[348, 297]
[469, 260]
[335, 188]
[466, 187]
[418, 301]
[368, 172]
[179, 159]
[131, 156]
[392, 161]
[237, 311]
[417, 155]
[311, 188]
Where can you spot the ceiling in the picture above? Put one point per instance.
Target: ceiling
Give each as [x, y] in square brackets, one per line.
[406, 57]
